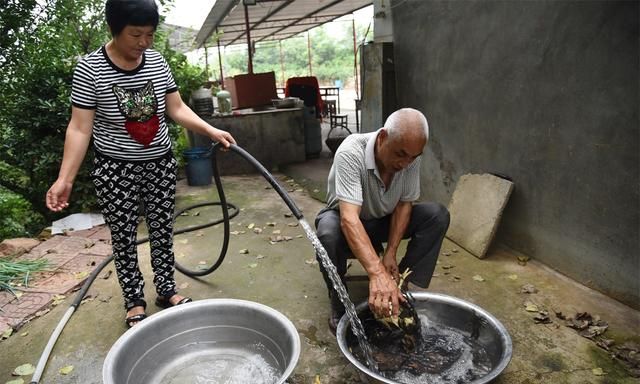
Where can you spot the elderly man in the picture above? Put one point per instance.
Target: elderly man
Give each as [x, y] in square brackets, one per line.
[372, 191]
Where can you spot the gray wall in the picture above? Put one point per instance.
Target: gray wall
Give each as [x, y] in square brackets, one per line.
[545, 92]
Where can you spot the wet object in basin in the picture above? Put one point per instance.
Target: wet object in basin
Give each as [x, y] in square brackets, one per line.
[458, 343]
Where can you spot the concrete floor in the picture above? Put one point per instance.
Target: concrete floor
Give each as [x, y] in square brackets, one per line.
[286, 279]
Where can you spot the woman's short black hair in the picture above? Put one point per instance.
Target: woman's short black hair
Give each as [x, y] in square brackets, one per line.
[121, 13]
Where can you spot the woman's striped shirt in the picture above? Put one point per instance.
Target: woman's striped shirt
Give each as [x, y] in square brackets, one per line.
[130, 105]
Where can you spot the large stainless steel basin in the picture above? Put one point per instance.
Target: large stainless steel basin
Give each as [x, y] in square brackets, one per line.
[215, 340]
[466, 318]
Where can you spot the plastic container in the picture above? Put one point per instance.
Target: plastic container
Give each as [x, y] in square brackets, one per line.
[199, 168]
[202, 102]
[224, 102]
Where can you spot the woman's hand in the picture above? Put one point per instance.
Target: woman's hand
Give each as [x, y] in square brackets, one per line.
[57, 197]
[223, 137]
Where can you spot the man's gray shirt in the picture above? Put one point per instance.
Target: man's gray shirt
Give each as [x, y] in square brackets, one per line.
[354, 178]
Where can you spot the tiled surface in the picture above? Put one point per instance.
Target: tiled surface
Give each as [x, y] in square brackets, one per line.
[71, 259]
[26, 307]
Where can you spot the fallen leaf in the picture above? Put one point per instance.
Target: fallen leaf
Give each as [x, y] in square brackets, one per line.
[311, 261]
[260, 257]
[522, 260]
[16, 381]
[23, 334]
[253, 265]
[202, 262]
[530, 307]
[298, 236]
[18, 294]
[271, 224]
[257, 230]
[250, 226]
[454, 250]
[244, 251]
[288, 215]
[316, 191]
[287, 238]
[598, 372]
[183, 241]
[81, 275]
[106, 275]
[294, 224]
[542, 317]
[446, 253]
[513, 277]
[196, 213]
[66, 370]
[235, 232]
[276, 232]
[478, 278]
[317, 380]
[454, 278]
[528, 288]
[448, 266]
[6, 334]
[24, 370]
[57, 299]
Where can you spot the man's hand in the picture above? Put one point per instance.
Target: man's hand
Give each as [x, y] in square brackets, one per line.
[384, 295]
[391, 265]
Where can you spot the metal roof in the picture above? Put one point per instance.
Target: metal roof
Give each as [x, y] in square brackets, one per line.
[271, 19]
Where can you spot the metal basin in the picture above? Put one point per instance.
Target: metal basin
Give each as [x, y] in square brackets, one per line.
[465, 318]
[215, 340]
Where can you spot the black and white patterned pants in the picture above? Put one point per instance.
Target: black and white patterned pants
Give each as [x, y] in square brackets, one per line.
[121, 186]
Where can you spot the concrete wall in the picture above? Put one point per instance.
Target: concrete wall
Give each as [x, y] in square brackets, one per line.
[274, 138]
[545, 92]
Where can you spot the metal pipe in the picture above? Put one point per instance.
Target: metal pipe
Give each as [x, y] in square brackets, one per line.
[246, 23]
[281, 63]
[220, 60]
[355, 58]
[309, 52]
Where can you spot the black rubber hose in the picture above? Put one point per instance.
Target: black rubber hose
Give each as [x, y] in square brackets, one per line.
[287, 199]
[225, 219]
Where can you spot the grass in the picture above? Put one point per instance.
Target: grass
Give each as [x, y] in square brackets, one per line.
[13, 273]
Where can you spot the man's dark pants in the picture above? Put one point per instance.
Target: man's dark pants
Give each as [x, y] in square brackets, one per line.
[427, 227]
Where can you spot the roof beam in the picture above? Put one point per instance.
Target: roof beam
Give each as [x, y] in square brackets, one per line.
[266, 17]
[331, 4]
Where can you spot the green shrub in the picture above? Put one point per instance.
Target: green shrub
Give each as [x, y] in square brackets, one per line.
[17, 218]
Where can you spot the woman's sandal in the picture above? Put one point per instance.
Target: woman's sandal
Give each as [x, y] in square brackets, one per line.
[135, 319]
[163, 301]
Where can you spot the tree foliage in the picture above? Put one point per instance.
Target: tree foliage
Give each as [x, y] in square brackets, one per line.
[332, 56]
[40, 44]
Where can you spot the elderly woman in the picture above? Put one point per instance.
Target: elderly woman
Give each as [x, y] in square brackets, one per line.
[120, 95]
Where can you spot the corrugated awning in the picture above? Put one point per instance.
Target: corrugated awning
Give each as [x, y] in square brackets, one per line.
[271, 19]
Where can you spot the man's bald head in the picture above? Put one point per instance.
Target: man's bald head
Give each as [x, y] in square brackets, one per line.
[407, 123]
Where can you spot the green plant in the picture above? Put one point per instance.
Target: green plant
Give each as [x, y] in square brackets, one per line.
[40, 45]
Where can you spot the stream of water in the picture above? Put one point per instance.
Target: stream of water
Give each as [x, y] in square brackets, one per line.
[356, 325]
